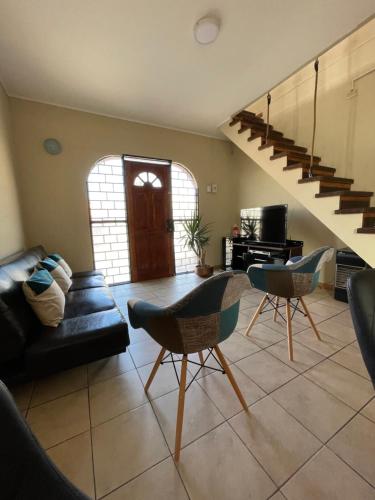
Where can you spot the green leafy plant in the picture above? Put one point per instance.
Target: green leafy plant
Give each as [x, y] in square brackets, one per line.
[197, 237]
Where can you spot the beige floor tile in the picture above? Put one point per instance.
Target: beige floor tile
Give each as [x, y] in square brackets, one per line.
[162, 481]
[60, 419]
[237, 347]
[345, 318]
[22, 394]
[59, 384]
[280, 326]
[322, 309]
[326, 477]
[262, 335]
[369, 410]
[266, 371]
[109, 367]
[337, 330]
[355, 444]
[144, 352]
[276, 439]
[218, 466]
[74, 459]
[334, 304]
[321, 413]
[220, 391]
[351, 358]
[115, 395]
[200, 415]
[137, 335]
[246, 315]
[165, 379]
[303, 358]
[326, 346]
[277, 496]
[347, 386]
[250, 300]
[126, 446]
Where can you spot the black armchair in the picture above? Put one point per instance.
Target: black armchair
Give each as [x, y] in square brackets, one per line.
[26, 472]
[361, 294]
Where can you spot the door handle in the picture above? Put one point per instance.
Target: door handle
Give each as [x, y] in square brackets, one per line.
[170, 225]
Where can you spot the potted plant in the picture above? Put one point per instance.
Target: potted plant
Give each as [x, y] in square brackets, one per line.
[197, 238]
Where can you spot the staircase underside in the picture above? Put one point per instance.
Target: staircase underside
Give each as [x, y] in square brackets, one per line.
[345, 212]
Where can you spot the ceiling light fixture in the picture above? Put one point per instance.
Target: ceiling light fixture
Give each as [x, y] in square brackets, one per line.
[206, 30]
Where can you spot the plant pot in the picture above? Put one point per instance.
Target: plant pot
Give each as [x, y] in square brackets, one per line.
[204, 271]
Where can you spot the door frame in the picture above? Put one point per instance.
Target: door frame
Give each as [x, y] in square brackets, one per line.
[157, 161]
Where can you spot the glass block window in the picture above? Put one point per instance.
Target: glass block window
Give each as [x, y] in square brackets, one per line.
[184, 206]
[109, 228]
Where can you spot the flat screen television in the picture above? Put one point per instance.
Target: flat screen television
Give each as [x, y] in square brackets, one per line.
[265, 224]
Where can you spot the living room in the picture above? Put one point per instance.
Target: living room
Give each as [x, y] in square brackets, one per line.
[72, 105]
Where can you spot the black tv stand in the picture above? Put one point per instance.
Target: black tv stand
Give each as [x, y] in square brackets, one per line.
[240, 252]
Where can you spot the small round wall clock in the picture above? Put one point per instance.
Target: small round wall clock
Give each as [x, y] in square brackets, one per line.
[52, 146]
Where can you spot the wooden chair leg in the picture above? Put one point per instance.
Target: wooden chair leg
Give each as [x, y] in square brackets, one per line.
[201, 359]
[180, 409]
[289, 329]
[313, 326]
[155, 368]
[229, 374]
[256, 314]
[276, 310]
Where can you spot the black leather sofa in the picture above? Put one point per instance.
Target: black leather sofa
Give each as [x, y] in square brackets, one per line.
[361, 295]
[26, 472]
[93, 326]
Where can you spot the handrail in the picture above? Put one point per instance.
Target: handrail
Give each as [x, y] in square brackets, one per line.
[316, 67]
[268, 115]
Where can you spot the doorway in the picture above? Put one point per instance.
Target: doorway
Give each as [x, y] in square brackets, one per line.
[106, 188]
[149, 205]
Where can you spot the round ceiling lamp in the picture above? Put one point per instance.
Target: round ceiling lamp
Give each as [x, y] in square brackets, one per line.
[206, 30]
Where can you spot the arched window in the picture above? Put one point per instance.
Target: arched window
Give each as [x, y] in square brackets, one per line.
[184, 206]
[109, 226]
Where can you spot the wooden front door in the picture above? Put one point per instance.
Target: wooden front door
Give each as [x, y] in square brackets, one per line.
[149, 207]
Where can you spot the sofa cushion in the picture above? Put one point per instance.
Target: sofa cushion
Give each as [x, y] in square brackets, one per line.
[81, 302]
[83, 282]
[12, 338]
[76, 341]
[45, 297]
[57, 272]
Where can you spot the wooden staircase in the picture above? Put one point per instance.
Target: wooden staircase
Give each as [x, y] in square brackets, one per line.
[249, 132]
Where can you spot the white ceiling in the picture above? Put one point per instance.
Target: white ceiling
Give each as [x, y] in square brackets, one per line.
[138, 59]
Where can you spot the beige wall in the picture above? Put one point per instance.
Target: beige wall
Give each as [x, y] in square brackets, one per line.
[345, 137]
[53, 188]
[11, 234]
[256, 188]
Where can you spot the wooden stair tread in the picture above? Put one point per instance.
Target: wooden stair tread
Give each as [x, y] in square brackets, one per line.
[322, 168]
[366, 230]
[326, 178]
[282, 146]
[293, 154]
[356, 210]
[351, 194]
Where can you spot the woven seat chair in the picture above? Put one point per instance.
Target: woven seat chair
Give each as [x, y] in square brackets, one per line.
[297, 278]
[201, 320]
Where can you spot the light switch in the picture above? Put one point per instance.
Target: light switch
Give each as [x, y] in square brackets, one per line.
[209, 188]
[214, 188]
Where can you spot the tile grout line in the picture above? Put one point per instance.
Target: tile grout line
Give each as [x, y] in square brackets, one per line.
[90, 430]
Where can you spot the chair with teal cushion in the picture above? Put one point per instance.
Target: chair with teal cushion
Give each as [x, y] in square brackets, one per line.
[297, 278]
[200, 320]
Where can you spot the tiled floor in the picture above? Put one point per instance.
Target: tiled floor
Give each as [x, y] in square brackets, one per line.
[309, 432]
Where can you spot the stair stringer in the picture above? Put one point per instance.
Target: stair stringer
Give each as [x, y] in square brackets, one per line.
[344, 226]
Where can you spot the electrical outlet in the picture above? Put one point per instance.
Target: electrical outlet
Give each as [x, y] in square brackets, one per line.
[209, 188]
[214, 188]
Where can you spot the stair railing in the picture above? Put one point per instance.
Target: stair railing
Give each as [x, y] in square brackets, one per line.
[316, 67]
[268, 116]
